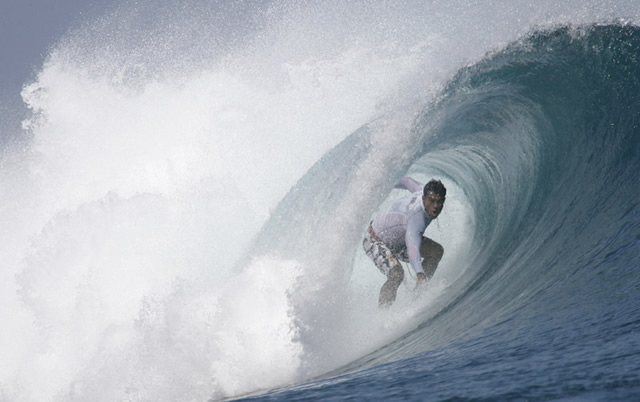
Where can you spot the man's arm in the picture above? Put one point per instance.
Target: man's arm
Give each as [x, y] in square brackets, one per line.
[410, 184]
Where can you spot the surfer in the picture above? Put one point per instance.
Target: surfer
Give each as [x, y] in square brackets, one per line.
[397, 235]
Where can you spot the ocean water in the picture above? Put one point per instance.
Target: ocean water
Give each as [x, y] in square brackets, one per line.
[184, 205]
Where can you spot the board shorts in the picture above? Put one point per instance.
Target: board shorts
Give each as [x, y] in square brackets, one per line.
[383, 257]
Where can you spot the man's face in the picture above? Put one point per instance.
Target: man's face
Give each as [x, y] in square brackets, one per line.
[433, 204]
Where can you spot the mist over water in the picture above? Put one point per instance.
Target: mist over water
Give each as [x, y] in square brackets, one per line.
[162, 137]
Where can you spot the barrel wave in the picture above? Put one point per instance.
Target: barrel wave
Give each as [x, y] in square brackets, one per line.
[542, 140]
[185, 202]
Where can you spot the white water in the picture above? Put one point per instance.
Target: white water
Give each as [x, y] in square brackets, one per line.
[153, 162]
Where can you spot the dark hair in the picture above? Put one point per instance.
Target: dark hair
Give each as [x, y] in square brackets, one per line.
[435, 186]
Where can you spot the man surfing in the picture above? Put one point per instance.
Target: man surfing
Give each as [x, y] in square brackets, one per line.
[396, 235]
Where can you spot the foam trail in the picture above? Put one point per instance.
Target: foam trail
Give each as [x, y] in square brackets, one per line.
[135, 197]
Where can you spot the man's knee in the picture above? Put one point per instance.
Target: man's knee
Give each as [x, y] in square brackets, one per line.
[431, 249]
[438, 251]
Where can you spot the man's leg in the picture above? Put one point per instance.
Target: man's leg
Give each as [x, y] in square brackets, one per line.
[388, 264]
[390, 287]
[431, 255]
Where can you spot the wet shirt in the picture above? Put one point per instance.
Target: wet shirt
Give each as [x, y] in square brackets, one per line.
[402, 225]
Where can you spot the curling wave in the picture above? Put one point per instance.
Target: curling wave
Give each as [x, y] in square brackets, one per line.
[542, 142]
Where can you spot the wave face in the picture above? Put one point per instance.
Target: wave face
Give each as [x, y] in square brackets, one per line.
[184, 209]
[543, 141]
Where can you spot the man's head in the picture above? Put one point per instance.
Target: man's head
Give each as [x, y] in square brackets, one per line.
[433, 198]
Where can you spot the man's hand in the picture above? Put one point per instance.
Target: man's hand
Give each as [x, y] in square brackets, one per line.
[421, 279]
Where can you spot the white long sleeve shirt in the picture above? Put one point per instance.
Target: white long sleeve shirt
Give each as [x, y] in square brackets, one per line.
[403, 224]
